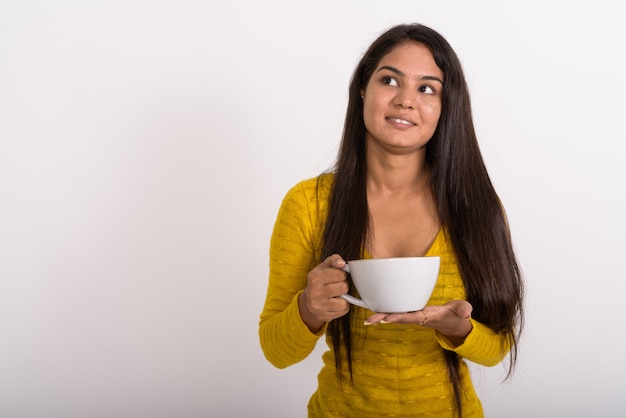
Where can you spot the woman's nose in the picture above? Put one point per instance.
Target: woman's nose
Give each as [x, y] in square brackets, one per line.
[405, 99]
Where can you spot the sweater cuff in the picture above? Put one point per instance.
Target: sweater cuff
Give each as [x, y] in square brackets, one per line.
[482, 345]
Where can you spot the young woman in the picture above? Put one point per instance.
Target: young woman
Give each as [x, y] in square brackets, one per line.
[409, 181]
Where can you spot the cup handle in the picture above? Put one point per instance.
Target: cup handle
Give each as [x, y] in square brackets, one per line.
[352, 299]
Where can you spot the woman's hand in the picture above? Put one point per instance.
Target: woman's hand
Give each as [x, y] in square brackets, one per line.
[452, 319]
[319, 303]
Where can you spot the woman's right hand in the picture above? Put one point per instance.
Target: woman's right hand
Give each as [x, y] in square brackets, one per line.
[320, 301]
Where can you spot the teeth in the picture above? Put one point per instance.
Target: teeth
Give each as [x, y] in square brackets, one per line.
[402, 121]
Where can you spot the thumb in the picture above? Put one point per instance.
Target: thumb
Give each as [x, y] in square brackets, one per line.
[462, 308]
[334, 261]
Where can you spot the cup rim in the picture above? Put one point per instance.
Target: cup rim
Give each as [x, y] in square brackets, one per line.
[426, 257]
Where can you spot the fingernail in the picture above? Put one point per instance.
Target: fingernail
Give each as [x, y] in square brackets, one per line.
[384, 322]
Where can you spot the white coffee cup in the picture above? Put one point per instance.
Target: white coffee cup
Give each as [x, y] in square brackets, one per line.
[401, 284]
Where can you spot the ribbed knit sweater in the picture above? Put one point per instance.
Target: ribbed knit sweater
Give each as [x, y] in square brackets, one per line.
[399, 370]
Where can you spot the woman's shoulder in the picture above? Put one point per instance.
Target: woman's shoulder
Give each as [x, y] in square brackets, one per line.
[306, 205]
[309, 198]
[317, 187]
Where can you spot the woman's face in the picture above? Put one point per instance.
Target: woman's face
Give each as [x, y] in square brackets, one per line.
[402, 100]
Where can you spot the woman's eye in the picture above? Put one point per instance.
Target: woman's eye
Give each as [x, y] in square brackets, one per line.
[426, 89]
[390, 81]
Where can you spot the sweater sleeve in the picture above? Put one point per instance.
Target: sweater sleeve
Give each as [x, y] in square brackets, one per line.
[284, 337]
[482, 345]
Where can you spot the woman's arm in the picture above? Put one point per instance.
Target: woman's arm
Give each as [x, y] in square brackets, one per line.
[482, 345]
[456, 331]
[285, 338]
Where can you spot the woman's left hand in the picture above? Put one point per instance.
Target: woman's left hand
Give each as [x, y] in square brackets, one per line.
[452, 319]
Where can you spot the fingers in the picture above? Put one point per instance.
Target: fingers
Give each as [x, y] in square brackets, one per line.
[329, 272]
[453, 317]
[395, 318]
[326, 283]
[326, 308]
[376, 319]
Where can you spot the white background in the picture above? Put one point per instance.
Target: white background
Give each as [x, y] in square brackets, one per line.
[145, 147]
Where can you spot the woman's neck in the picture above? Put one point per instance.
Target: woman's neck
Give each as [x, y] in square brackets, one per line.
[392, 174]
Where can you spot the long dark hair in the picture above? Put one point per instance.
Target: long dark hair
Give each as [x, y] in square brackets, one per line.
[467, 204]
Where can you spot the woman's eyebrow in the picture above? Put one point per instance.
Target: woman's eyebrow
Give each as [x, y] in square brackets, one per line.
[432, 77]
[401, 74]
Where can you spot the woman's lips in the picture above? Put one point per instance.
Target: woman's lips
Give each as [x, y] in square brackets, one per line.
[401, 121]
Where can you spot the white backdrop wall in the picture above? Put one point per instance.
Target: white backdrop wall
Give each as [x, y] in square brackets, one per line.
[145, 147]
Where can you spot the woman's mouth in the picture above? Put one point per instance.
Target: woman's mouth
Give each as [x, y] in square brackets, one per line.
[401, 121]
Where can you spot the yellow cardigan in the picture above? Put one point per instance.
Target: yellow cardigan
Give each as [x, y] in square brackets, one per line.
[399, 370]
